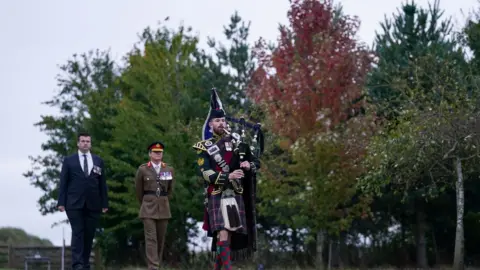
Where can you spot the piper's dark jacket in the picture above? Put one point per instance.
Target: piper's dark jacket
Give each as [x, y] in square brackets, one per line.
[241, 245]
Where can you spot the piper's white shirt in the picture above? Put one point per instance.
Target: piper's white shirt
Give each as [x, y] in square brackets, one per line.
[89, 160]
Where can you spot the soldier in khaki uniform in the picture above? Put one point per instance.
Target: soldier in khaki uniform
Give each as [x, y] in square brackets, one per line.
[154, 183]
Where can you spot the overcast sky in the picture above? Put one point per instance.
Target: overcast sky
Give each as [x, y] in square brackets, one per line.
[40, 35]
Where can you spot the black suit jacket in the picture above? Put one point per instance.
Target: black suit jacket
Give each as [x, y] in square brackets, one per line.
[77, 190]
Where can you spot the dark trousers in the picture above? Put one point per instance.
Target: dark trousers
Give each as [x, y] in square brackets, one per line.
[83, 223]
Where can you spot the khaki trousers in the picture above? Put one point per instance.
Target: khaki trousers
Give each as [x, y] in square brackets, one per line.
[155, 230]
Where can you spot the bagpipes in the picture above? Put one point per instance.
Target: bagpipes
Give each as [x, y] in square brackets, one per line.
[255, 141]
[248, 144]
[245, 149]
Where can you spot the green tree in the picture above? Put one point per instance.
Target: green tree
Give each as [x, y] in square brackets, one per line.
[318, 120]
[83, 78]
[230, 68]
[18, 237]
[412, 33]
[171, 81]
[471, 38]
[157, 104]
[431, 142]
[168, 99]
[413, 36]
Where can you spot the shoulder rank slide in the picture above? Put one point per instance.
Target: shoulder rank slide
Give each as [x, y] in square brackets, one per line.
[203, 145]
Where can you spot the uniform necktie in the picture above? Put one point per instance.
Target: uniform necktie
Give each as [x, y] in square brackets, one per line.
[85, 165]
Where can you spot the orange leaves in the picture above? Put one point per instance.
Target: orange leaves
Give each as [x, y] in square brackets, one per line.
[315, 72]
[310, 86]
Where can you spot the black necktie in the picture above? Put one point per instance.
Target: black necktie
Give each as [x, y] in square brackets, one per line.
[85, 165]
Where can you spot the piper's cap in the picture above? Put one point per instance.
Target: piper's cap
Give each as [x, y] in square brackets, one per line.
[157, 146]
[217, 113]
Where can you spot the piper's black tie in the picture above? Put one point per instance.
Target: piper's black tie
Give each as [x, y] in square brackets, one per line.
[85, 165]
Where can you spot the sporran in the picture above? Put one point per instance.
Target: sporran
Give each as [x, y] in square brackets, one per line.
[230, 212]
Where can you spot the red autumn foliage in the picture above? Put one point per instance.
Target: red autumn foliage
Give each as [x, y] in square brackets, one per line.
[312, 78]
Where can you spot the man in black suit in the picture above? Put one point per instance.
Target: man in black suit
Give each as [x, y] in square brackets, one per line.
[83, 195]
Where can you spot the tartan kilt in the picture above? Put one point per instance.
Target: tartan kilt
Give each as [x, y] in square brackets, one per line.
[215, 214]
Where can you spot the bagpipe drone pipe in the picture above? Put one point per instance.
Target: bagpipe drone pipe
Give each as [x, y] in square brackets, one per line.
[248, 141]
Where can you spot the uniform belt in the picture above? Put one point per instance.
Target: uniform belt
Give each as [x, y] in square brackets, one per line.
[151, 192]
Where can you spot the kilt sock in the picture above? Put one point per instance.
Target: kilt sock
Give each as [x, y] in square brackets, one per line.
[226, 258]
[223, 256]
[218, 258]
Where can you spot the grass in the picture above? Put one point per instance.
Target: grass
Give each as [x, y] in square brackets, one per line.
[236, 268]
[252, 267]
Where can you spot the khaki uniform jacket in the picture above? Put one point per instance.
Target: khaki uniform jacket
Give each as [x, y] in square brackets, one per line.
[146, 180]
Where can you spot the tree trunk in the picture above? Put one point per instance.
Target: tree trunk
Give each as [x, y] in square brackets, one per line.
[435, 248]
[343, 258]
[320, 244]
[458, 259]
[420, 234]
[294, 242]
[329, 254]
[403, 245]
[295, 245]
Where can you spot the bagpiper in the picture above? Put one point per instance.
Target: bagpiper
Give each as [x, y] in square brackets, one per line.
[228, 168]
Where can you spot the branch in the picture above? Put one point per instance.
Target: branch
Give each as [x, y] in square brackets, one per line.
[469, 157]
[450, 151]
[472, 156]
[441, 165]
[468, 136]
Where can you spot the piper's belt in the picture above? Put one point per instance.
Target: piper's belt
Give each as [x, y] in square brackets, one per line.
[156, 193]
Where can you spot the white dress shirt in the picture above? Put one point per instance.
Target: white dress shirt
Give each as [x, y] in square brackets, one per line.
[89, 160]
[156, 167]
